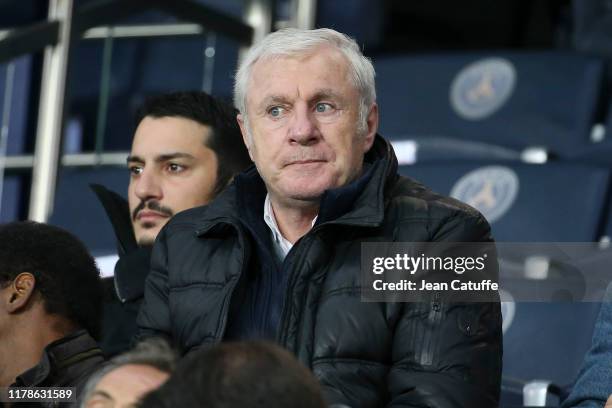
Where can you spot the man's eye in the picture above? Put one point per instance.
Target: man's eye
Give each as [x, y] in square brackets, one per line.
[175, 168]
[276, 111]
[135, 170]
[322, 107]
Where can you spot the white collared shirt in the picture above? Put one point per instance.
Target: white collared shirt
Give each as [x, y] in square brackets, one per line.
[282, 245]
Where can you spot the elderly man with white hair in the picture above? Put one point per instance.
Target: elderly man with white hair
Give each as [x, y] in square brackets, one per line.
[277, 255]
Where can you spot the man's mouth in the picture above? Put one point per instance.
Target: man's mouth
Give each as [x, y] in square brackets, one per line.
[147, 215]
[305, 162]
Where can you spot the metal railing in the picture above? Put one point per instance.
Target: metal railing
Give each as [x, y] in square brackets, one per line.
[98, 20]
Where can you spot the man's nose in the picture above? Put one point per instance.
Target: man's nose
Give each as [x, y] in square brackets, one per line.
[148, 186]
[304, 128]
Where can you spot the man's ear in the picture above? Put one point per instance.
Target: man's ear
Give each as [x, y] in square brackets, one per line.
[245, 134]
[20, 291]
[372, 127]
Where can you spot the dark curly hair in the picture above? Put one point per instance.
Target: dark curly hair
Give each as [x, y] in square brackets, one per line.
[225, 137]
[66, 275]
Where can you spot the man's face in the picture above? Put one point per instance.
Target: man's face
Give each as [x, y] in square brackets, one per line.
[303, 114]
[171, 170]
[124, 386]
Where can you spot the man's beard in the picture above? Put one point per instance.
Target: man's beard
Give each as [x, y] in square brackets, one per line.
[146, 242]
[152, 205]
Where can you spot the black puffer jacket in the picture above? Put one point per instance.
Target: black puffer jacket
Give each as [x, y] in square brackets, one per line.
[364, 354]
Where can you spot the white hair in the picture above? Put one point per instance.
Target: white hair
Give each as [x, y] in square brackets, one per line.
[293, 42]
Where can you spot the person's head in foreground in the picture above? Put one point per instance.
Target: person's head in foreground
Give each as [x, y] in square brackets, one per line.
[308, 114]
[50, 288]
[129, 376]
[186, 149]
[239, 375]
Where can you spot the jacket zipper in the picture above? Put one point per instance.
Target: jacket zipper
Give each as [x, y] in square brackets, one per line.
[283, 323]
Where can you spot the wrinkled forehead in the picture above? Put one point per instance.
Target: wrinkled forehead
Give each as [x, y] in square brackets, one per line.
[327, 59]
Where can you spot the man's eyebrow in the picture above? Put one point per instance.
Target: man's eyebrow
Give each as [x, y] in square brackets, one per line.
[170, 156]
[325, 94]
[272, 99]
[132, 159]
[162, 157]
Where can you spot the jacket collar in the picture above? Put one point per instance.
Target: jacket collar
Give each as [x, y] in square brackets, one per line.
[118, 211]
[59, 355]
[132, 267]
[359, 203]
[131, 273]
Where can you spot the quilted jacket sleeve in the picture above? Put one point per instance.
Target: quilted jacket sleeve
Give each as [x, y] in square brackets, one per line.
[448, 354]
[154, 316]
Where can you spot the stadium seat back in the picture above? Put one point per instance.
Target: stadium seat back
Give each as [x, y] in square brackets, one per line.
[511, 99]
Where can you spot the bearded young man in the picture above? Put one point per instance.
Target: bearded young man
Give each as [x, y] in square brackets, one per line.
[186, 149]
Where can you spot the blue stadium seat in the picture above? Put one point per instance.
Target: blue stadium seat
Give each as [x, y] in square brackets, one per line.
[78, 210]
[19, 99]
[143, 72]
[12, 187]
[546, 341]
[592, 21]
[509, 99]
[600, 149]
[555, 202]
[363, 20]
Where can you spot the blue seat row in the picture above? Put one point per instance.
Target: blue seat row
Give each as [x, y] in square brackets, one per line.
[512, 100]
